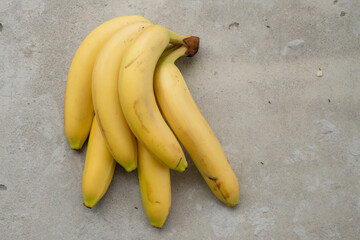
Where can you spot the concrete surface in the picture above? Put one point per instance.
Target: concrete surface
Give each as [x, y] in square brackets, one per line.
[293, 138]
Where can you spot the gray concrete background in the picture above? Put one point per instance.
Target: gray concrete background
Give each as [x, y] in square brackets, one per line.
[292, 138]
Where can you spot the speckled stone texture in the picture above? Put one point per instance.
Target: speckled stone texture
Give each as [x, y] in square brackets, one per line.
[293, 138]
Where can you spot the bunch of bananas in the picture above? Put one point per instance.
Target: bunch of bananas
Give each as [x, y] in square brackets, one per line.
[122, 82]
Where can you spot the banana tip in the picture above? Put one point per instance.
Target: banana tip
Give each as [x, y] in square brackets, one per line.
[232, 204]
[130, 168]
[76, 145]
[87, 206]
[182, 166]
[157, 224]
[157, 227]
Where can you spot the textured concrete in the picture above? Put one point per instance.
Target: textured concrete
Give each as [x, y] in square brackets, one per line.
[293, 138]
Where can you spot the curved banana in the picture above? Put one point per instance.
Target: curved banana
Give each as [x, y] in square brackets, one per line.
[192, 130]
[118, 136]
[78, 107]
[98, 169]
[137, 95]
[155, 187]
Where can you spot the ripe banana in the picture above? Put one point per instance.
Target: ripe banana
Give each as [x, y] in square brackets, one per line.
[119, 138]
[154, 181]
[98, 169]
[192, 130]
[137, 95]
[78, 107]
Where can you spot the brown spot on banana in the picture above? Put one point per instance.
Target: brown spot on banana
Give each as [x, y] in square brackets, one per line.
[213, 179]
[132, 61]
[218, 187]
[223, 193]
[138, 114]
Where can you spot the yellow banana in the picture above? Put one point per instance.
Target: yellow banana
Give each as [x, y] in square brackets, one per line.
[99, 168]
[154, 181]
[137, 95]
[78, 107]
[119, 138]
[192, 130]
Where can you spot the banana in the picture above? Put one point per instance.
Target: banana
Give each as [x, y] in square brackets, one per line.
[192, 130]
[119, 138]
[137, 95]
[78, 107]
[98, 169]
[154, 181]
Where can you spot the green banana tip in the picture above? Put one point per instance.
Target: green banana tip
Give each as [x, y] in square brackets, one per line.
[157, 224]
[192, 44]
[76, 145]
[182, 165]
[130, 169]
[181, 168]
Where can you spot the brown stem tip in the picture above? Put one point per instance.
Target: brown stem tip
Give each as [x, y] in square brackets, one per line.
[192, 44]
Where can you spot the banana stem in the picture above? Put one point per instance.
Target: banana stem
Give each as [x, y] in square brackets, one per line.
[191, 42]
[171, 55]
[177, 39]
[169, 46]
